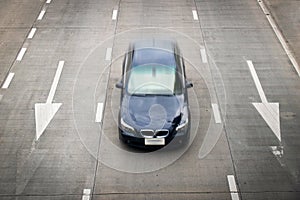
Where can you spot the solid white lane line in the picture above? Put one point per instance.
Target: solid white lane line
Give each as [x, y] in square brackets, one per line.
[262, 6]
[41, 15]
[108, 54]
[280, 37]
[21, 54]
[257, 82]
[8, 80]
[195, 14]
[114, 15]
[48, 1]
[203, 55]
[31, 33]
[232, 187]
[99, 112]
[55, 81]
[86, 194]
[217, 116]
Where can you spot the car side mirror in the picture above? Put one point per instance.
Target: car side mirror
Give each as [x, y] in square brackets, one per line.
[119, 85]
[189, 84]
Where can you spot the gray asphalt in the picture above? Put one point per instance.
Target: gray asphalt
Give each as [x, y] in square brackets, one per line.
[76, 153]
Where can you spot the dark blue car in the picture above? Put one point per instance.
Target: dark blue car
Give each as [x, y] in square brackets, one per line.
[154, 107]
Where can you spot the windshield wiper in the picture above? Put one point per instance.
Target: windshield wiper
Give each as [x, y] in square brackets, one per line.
[139, 95]
[143, 95]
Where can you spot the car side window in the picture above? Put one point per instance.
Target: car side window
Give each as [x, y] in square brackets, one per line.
[178, 61]
[124, 63]
[129, 60]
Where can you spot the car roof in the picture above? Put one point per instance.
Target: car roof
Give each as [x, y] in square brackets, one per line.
[154, 51]
[164, 44]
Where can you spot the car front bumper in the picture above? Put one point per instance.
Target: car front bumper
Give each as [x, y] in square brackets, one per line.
[139, 142]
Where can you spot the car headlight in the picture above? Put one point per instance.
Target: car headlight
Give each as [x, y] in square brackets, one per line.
[184, 120]
[126, 127]
[182, 125]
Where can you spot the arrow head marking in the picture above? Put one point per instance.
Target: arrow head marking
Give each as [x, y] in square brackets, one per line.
[270, 113]
[44, 112]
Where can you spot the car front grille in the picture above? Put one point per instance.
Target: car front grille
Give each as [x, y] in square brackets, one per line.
[162, 133]
[149, 133]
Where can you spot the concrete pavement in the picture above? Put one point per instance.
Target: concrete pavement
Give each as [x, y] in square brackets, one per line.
[287, 17]
[76, 153]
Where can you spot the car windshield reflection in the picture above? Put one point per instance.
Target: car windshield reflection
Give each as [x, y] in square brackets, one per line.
[153, 80]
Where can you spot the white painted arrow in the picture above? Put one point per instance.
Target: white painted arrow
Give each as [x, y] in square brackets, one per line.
[268, 111]
[44, 112]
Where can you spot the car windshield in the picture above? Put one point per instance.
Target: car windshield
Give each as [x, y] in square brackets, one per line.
[153, 79]
[152, 55]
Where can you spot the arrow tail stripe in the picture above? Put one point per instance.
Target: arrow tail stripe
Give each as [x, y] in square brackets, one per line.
[55, 81]
[257, 82]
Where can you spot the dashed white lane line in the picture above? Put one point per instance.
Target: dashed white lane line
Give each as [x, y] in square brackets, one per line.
[232, 187]
[280, 37]
[114, 15]
[86, 194]
[41, 15]
[217, 116]
[195, 14]
[99, 113]
[203, 55]
[48, 1]
[108, 54]
[21, 54]
[31, 33]
[55, 81]
[8, 80]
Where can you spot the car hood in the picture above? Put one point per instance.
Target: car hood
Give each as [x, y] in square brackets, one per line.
[152, 112]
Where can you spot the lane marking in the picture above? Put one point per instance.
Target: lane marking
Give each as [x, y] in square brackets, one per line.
[232, 187]
[86, 194]
[280, 37]
[48, 1]
[203, 55]
[108, 54]
[55, 81]
[217, 116]
[195, 14]
[44, 112]
[1, 96]
[8, 80]
[269, 111]
[257, 82]
[41, 15]
[21, 54]
[277, 151]
[31, 33]
[99, 112]
[114, 14]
